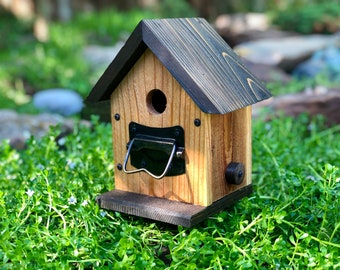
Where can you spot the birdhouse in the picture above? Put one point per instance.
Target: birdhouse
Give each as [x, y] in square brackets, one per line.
[181, 119]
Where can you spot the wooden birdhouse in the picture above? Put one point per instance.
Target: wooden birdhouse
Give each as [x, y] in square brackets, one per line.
[181, 120]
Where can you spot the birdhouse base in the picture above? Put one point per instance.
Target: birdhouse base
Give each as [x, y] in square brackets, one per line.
[164, 210]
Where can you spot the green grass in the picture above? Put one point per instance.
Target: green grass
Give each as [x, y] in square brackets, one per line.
[48, 215]
[299, 85]
[49, 218]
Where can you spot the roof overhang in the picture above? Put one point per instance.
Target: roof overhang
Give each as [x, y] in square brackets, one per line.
[198, 58]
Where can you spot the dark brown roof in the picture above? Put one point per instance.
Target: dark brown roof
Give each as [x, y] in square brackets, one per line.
[198, 58]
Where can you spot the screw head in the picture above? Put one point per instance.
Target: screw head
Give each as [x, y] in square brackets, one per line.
[143, 163]
[177, 133]
[133, 128]
[117, 116]
[197, 122]
[119, 166]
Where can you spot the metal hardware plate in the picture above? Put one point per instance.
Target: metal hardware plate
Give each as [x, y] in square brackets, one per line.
[157, 151]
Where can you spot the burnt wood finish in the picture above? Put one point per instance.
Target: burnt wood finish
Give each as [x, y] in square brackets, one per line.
[172, 212]
[196, 56]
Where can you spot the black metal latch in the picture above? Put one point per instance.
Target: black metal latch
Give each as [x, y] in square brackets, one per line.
[156, 151]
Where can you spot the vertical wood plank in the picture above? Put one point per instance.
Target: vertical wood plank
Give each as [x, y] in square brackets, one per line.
[231, 143]
[241, 149]
[221, 147]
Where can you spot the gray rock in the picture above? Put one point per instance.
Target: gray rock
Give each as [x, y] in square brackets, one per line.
[284, 52]
[325, 62]
[62, 101]
[99, 57]
[317, 101]
[17, 128]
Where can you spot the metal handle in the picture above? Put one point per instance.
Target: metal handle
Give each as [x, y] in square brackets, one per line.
[173, 151]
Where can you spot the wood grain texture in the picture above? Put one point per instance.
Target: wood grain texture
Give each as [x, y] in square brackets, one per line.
[230, 142]
[209, 148]
[197, 57]
[129, 100]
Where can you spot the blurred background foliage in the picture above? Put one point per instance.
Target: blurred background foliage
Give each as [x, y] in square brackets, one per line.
[29, 62]
[321, 17]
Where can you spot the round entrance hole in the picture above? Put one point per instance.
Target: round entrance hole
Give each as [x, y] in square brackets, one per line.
[156, 101]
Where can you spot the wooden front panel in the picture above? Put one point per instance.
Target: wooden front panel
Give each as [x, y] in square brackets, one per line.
[208, 148]
[131, 102]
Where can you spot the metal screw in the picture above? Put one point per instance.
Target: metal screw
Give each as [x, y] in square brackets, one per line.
[180, 152]
[117, 116]
[176, 133]
[197, 122]
[133, 129]
[119, 166]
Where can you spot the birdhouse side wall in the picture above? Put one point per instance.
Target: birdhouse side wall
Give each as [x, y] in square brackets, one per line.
[231, 142]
